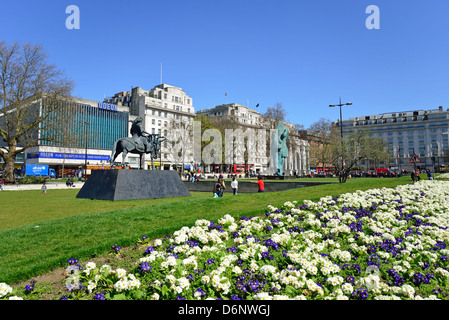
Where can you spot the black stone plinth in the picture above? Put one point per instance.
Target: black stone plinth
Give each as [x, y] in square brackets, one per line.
[124, 184]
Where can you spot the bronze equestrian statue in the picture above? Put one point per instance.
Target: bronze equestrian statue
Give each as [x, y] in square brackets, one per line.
[140, 142]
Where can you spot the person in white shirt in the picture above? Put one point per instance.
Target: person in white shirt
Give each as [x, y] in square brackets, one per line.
[234, 185]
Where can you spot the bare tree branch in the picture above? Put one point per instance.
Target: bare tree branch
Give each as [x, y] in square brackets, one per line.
[31, 90]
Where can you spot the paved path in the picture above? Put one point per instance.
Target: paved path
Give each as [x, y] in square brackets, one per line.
[50, 185]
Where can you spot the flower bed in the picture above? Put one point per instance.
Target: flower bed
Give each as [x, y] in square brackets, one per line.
[443, 176]
[369, 245]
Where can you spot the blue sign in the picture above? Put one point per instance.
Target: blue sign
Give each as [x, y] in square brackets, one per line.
[69, 156]
[107, 106]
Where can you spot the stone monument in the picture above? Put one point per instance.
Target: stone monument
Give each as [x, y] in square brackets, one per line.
[124, 184]
[283, 135]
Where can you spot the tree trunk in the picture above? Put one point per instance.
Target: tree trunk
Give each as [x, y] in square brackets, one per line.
[8, 167]
[342, 175]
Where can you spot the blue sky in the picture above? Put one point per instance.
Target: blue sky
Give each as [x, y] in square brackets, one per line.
[303, 54]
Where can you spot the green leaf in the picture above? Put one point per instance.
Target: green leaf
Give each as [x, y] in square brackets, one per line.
[165, 290]
[289, 290]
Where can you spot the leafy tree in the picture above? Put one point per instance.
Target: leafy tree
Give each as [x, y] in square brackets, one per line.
[31, 90]
[355, 146]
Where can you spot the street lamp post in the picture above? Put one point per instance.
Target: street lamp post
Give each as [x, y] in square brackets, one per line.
[341, 118]
[341, 127]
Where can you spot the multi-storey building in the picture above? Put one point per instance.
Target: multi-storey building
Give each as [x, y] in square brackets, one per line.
[164, 108]
[420, 132]
[242, 114]
[122, 99]
[297, 162]
[92, 127]
[87, 135]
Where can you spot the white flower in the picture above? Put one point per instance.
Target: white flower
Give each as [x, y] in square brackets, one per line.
[408, 290]
[121, 273]
[205, 279]
[91, 286]
[91, 265]
[266, 269]
[183, 283]
[262, 296]
[312, 270]
[121, 285]
[154, 296]
[347, 288]
[4, 289]
[133, 283]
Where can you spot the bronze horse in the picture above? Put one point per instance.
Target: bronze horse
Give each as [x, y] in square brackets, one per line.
[150, 144]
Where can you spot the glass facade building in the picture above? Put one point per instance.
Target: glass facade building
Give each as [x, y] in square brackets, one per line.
[78, 132]
[97, 126]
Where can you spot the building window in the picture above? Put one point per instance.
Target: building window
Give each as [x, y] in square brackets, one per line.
[153, 121]
[153, 130]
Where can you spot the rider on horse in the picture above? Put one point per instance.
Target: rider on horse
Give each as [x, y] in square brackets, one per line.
[137, 132]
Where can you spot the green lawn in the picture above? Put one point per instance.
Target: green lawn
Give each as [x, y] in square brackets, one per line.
[41, 232]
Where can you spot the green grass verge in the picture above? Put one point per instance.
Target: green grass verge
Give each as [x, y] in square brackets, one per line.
[41, 232]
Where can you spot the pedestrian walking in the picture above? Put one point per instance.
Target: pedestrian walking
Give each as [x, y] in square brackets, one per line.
[234, 185]
[44, 188]
[429, 174]
[417, 175]
[413, 176]
[1, 184]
